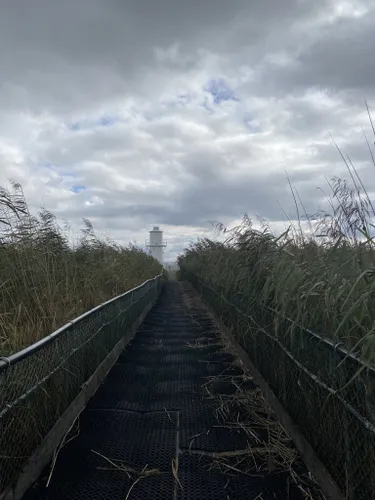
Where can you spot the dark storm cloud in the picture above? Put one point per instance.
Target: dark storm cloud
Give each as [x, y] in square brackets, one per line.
[64, 55]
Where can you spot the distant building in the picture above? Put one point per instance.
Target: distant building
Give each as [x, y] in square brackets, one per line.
[156, 244]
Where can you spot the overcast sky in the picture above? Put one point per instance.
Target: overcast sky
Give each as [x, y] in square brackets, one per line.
[140, 112]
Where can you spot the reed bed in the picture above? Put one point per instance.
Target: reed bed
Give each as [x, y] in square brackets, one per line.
[46, 280]
[319, 272]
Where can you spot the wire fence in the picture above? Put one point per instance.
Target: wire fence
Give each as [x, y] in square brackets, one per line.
[328, 392]
[38, 384]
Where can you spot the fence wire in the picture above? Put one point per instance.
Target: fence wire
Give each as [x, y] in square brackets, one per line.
[329, 394]
[38, 384]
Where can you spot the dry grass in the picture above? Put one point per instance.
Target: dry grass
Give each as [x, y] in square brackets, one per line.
[131, 472]
[135, 474]
[269, 450]
[46, 281]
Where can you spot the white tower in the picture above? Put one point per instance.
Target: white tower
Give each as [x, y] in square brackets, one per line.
[156, 244]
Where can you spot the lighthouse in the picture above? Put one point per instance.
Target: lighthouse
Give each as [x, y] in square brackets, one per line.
[156, 244]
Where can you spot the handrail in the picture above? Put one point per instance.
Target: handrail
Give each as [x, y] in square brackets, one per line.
[338, 348]
[6, 362]
[311, 380]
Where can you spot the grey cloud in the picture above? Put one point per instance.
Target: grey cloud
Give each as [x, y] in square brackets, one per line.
[205, 200]
[66, 55]
[299, 75]
[341, 58]
[336, 56]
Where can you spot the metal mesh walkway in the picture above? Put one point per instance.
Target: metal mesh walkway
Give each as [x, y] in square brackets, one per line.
[176, 418]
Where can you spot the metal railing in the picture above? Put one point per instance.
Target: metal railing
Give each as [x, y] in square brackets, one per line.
[328, 392]
[38, 383]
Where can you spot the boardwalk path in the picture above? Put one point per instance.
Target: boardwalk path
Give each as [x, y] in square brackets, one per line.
[176, 418]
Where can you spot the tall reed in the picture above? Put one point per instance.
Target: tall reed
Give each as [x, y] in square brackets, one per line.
[45, 281]
[320, 272]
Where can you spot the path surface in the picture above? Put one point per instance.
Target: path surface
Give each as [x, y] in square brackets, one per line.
[176, 418]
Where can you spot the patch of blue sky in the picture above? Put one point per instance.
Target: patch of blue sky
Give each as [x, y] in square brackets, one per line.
[74, 126]
[107, 120]
[220, 91]
[251, 124]
[78, 188]
[102, 121]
